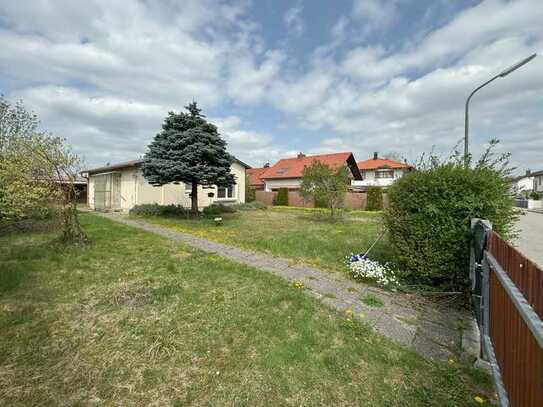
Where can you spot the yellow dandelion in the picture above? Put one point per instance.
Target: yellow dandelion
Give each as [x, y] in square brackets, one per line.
[451, 361]
[479, 399]
[362, 315]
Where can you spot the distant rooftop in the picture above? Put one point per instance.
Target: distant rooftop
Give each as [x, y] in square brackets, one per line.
[293, 167]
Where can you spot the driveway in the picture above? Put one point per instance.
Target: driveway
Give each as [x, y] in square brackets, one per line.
[530, 240]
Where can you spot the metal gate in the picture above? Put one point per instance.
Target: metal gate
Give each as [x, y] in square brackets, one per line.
[107, 191]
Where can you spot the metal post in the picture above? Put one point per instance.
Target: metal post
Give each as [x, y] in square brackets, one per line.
[466, 122]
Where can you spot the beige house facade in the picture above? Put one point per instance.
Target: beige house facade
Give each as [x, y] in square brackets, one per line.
[121, 186]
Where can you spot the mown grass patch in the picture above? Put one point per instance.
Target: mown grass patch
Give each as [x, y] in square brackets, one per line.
[301, 234]
[130, 321]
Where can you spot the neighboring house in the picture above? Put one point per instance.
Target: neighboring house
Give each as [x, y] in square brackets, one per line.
[526, 183]
[380, 172]
[120, 186]
[287, 173]
[254, 177]
[538, 182]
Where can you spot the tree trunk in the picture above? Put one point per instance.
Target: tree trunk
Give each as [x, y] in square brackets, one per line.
[72, 232]
[194, 198]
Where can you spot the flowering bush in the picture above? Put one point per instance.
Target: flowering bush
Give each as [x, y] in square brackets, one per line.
[298, 284]
[363, 268]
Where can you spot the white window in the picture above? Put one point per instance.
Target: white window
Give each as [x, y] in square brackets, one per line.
[188, 188]
[225, 192]
[384, 174]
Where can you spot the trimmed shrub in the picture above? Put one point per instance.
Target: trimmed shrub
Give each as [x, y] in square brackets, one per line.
[159, 210]
[534, 195]
[250, 206]
[429, 214]
[282, 197]
[218, 209]
[375, 199]
[320, 202]
[250, 192]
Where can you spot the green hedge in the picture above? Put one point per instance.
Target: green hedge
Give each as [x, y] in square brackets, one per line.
[159, 210]
[428, 219]
[375, 199]
[282, 197]
[249, 206]
[218, 209]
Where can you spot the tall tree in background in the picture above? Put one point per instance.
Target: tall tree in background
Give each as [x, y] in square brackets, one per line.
[188, 149]
[325, 184]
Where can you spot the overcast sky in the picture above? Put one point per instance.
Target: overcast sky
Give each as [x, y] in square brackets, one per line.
[278, 77]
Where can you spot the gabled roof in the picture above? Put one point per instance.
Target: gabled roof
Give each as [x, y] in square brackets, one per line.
[135, 163]
[526, 175]
[293, 167]
[254, 175]
[377, 163]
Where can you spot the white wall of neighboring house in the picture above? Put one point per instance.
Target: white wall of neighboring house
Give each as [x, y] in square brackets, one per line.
[135, 190]
[524, 184]
[370, 179]
[291, 183]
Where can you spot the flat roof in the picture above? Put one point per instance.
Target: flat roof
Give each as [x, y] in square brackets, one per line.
[134, 163]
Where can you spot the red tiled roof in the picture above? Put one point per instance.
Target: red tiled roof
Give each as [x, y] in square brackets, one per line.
[254, 175]
[375, 163]
[293, 167]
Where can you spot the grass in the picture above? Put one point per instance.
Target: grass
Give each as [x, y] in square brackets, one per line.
[301, 234]
[372, 300]
[135, 319]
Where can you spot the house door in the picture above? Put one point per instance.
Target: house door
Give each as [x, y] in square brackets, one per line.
[107, 191]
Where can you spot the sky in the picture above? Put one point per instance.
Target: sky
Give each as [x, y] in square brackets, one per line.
[279, 77]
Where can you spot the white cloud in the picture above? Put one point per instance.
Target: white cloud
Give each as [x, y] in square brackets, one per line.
[106, 74]
[414, 98]
[376, 14]
[293, 21]
[240, 141]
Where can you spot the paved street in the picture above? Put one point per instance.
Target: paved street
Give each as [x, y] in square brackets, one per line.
[530, 240]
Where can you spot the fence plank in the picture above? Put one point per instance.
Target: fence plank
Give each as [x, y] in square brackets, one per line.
[518, 351]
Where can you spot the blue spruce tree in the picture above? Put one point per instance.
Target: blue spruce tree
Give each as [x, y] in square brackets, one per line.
[188, 149]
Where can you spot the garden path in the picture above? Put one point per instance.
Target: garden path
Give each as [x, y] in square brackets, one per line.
[437, 332]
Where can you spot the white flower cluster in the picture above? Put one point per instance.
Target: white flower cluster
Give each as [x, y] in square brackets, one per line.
[372, 270]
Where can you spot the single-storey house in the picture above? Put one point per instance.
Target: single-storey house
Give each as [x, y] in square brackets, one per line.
[380, 172]
[287, 172]
[119, 187]
[253, 175]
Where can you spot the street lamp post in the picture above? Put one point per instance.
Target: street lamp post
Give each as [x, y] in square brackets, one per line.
[466, 123]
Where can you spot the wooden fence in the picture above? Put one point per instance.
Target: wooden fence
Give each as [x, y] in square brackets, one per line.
[353, 200]
[508, 298]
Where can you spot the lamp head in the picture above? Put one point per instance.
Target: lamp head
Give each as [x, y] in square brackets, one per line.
[516, 66]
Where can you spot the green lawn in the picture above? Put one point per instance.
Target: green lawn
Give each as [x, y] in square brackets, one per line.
[301, 235]
[135, 319]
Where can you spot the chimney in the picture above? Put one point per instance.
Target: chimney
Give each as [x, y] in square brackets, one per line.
[528, 173]
[301, 155]
[267, 165]
[375, 155]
